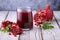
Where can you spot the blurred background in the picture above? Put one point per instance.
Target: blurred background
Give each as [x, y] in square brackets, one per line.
[35, 4]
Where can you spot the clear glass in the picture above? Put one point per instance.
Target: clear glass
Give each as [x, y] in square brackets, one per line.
[24, 18]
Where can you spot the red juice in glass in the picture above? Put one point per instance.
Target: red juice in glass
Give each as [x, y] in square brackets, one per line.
[24, 18]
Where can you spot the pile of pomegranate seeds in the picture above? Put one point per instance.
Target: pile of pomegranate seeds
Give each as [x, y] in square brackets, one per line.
[43, 15]
[11, 28]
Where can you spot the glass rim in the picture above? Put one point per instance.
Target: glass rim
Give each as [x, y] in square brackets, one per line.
[19, 9]
[23, 7]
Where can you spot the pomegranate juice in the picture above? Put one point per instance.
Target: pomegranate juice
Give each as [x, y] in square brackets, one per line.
[24, 19]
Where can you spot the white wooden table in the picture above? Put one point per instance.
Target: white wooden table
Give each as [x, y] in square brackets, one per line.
[35, 33]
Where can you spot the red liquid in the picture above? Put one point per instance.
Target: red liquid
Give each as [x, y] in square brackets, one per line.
[25, 20]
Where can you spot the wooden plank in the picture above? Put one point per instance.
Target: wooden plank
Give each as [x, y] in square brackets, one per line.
[56, 33]
[57, 16]
[25, 35]
[6, 36]
[33, 34]
[12, 16]
[3, 14]
[47, 35]
[36, 34]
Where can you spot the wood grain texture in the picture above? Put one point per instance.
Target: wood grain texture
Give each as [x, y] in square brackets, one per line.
[57, 16]
[3, 14]
[12, 16]
[25, 35]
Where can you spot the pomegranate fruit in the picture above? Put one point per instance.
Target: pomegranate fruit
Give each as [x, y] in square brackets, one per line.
[15, 29]
[11, 27]
[43, 15]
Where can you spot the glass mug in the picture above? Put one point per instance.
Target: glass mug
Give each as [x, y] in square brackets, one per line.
[25, 18]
